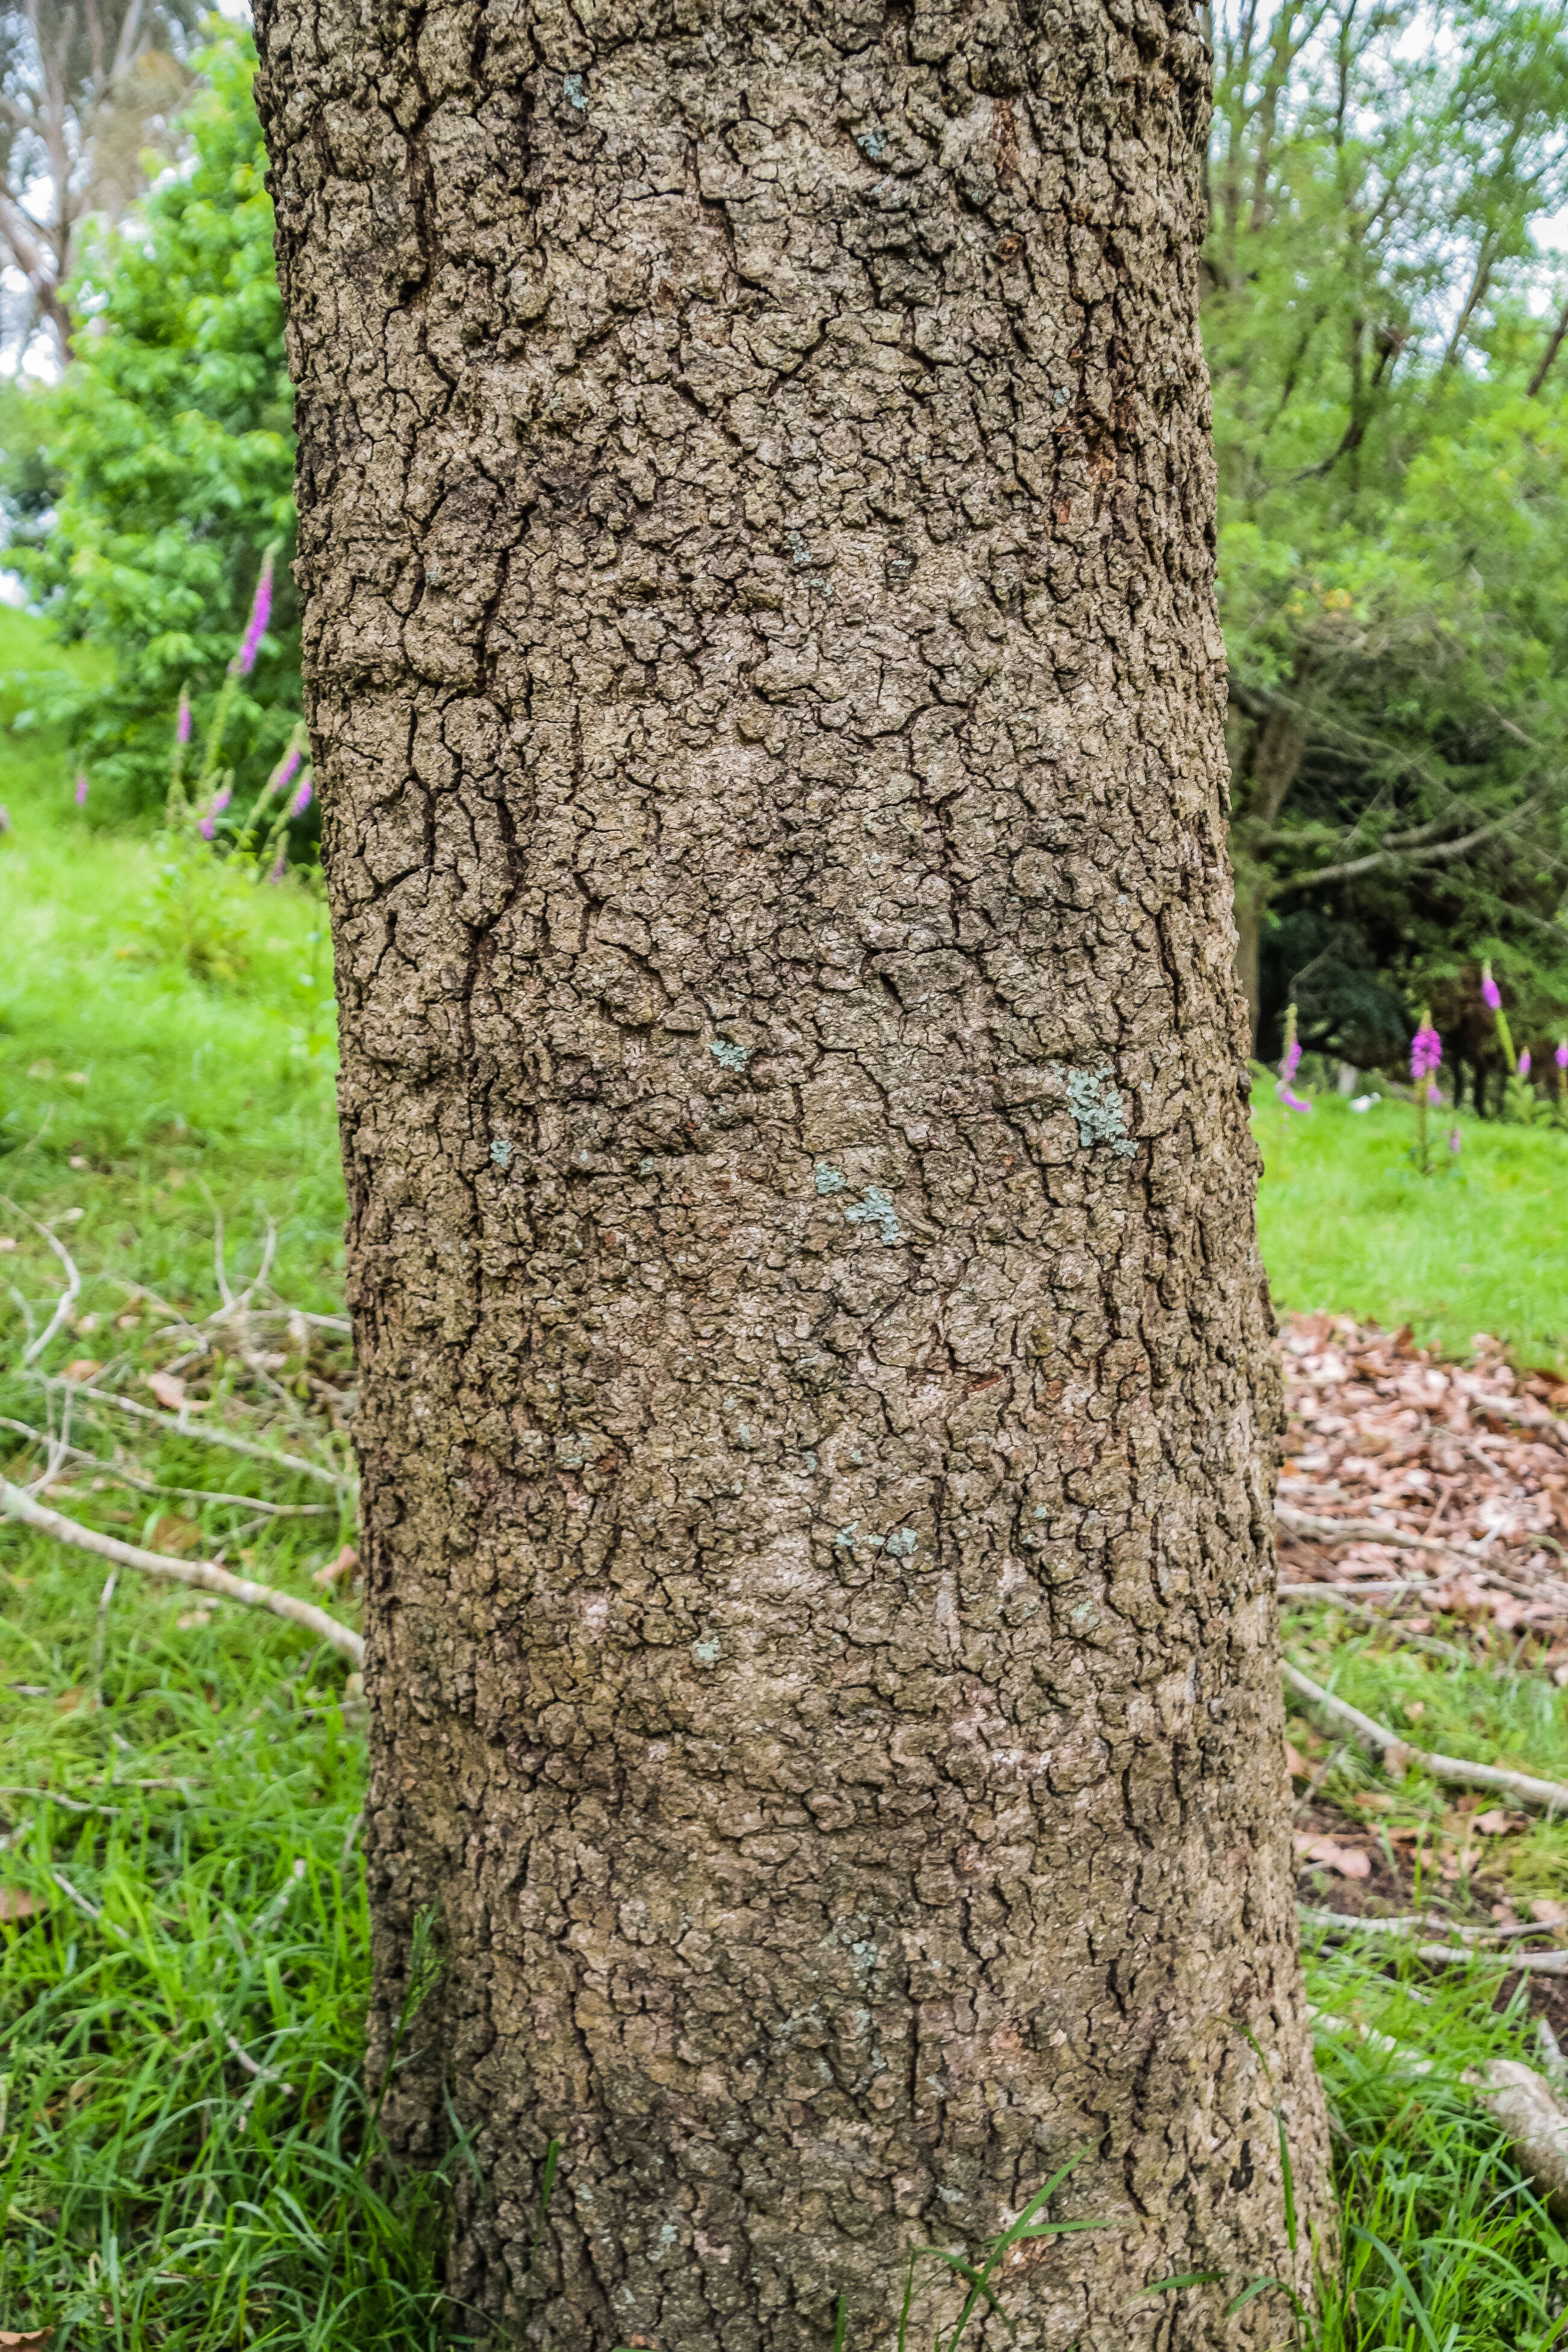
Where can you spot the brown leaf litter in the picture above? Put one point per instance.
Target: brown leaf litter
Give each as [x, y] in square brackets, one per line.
[1473, 1454]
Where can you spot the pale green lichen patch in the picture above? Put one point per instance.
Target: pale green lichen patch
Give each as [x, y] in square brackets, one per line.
[577, 95]
[876, 1210]
[500, 1151]
[828, 1180]
[729, 1055]
[1097, 1107]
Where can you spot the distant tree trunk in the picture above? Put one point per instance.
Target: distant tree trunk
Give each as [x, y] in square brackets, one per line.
[1270, 751]
[818, 1388]
[1251, 905]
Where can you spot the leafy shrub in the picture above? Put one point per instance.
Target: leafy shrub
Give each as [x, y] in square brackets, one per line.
[171, 440]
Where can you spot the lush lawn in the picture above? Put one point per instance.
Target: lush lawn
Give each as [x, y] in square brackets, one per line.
[1348, 1224]
[181, 1899]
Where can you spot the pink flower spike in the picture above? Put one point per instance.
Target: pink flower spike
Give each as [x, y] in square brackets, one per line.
[207, 828]
[302, 798]
[1455, 1138]
[1561, 1055]
[279, 865]
[1524, 1062]
[182, 723]
[220, 801]
[1426, 1052]
[82, 788]
[1433, 1097]
[1491, 994]
[1291, 1101]
[255, 628]
[284, 773]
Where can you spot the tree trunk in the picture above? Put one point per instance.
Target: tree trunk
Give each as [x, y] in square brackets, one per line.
[756, 537]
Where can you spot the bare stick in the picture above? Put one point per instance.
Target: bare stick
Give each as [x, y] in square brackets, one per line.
[100, 1635]
[1543, 1964]
[179, 1425]
[204, 1573]
[53, 1797]
[1308, 1523]
[1398, 1754]
[124, 1477]
[1304, 1523]
[1410, 1923]
[67, 1297]
[1337, 1596]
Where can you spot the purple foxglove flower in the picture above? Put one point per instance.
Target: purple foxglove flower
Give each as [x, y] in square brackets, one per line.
[1491, 994]
[82, 788]
[1291, 1101]
[207, 828]
[182, 723]
[1561, 1055]
[1434, 1096]
[284, 773]
[1524, 1062]
[1291, 1061]
[1426, 1052]
[220, 801]
[301, 800]
[280, 868]
[255, 628]
[1455, 1138]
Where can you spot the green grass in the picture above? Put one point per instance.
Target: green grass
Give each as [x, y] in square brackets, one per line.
[171, 1035]
[1348, 1224]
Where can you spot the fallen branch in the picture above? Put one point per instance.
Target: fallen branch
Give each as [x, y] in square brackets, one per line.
[1398, 1755]
[204, 1573]
[179, 1425]
[1321, 1530]
[1336, 1595]
[1450, 1955]
[153, 1487]
[1308, 1523]
[1410, 1923]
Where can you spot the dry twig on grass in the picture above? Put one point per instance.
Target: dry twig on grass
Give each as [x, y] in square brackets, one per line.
[15, 1503]
[1398, 1755]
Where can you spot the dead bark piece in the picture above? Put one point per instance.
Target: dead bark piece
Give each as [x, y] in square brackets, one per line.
[15, 1503]
[1399, 1755]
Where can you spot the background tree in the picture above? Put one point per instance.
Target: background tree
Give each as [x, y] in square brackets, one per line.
[1391, 511]
[170, 448]
[755, 542]
[85, 86]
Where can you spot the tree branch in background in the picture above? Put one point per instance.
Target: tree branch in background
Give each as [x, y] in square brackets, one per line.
[1554, 345]
[1381, 859]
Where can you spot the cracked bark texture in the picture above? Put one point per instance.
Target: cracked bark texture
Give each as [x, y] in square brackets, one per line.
[756, 544]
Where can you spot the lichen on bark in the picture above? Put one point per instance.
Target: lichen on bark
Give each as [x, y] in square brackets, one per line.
[756, 542]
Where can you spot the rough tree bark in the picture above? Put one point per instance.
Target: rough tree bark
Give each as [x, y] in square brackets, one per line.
[756, 540]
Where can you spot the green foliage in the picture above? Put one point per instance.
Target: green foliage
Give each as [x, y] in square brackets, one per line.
[1391, 428]
[171, 437]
